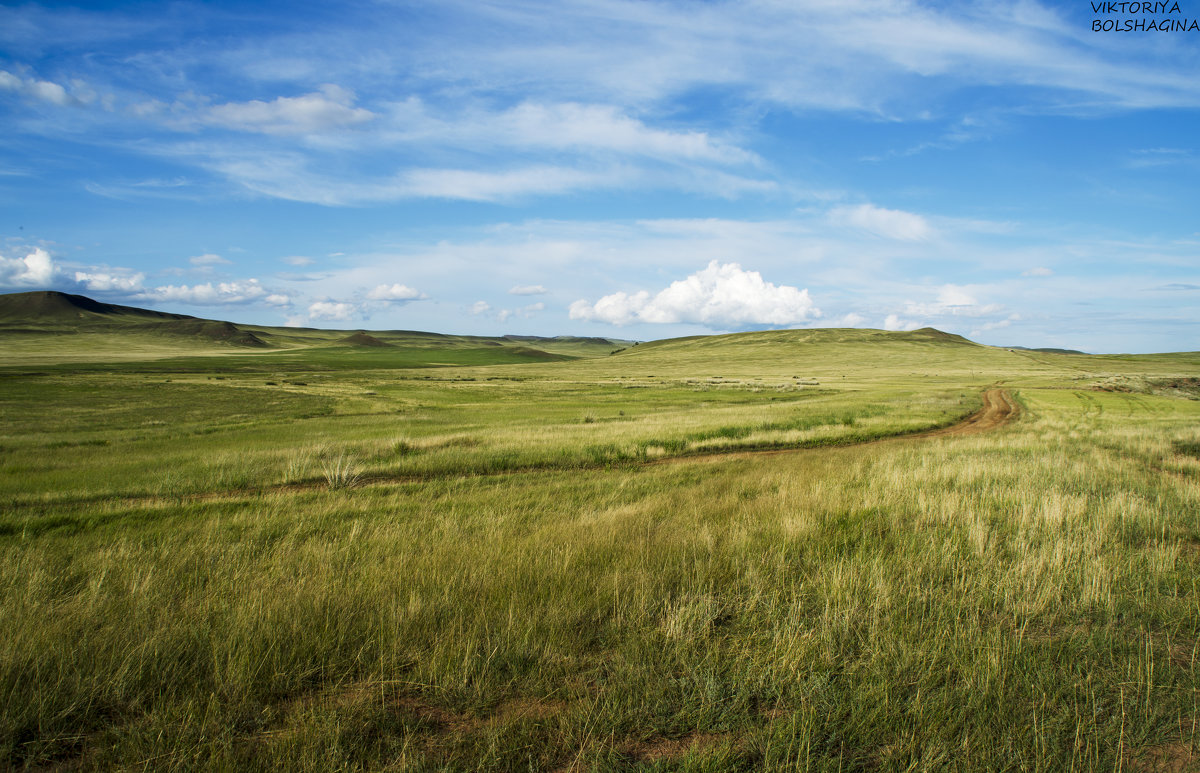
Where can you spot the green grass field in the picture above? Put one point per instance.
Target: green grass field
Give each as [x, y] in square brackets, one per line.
[460, 554]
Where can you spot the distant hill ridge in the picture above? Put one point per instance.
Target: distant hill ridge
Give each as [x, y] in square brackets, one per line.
[50, 304]
[49, 311]
[79, 311]
[362, 338]
[53, 313]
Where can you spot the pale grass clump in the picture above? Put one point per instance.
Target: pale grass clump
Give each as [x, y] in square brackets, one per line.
[340, 472]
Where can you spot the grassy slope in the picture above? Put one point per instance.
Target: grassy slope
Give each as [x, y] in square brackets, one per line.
[49, 328]
[1019, 600]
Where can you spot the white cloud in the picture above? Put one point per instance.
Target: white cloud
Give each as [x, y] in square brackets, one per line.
[49, 92]
[1039, 271]
[502, 315]
[330, 108]
[44, 91]
[574, 126]
[999, 325]
[395, 292]
[39, 267]
[952, 300]
[721, 295]
[110, 282]
[291, 175]
[209, 294]
[35, 269]
[208, 259]
[277, 299]
[894, 322]
[527, 290]
[332, 310]
[474, 185]
[888, 223]
[298, 260]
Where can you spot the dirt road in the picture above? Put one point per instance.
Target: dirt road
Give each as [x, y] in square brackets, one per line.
[998, 409]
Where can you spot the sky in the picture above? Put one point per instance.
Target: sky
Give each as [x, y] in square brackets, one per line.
[1022, 173]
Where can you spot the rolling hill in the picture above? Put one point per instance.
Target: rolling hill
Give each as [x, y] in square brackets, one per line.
[48, 326]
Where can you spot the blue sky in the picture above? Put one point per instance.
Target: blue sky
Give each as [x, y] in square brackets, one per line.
[605, 167]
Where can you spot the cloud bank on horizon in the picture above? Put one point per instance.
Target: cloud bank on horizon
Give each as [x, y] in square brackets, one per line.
[646, 170]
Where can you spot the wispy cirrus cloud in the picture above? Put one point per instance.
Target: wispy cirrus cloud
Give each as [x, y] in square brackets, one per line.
[328, 109]
[954, 301]
[527, 290]
[888, 223]
[208, 259]
[40, 90]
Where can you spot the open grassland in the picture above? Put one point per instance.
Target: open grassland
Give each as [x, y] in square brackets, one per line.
[242, 562]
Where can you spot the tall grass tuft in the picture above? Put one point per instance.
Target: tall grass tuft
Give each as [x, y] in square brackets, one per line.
[341, 472]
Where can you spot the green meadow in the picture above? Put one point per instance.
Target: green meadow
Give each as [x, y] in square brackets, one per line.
[248, 548]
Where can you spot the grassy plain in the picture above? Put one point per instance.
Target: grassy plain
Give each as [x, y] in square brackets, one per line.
[360, 558]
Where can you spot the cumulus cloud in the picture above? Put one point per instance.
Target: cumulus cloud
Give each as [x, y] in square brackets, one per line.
[527, 290]
[481, 307]
[721, 295]
[102, 282]
[35, 269]
[1039, 271]
[330, 108]
[888, 223]
[209, 293]
[332, 310]
[893, 322]
[395, 292]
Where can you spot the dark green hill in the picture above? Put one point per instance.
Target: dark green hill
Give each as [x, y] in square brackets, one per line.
[47, 324]
[49, 306]
[361, 338]
[54, 312]
[224, 332]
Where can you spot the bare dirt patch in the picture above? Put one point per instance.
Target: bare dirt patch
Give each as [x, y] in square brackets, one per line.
[668, 749]
[1171, 758]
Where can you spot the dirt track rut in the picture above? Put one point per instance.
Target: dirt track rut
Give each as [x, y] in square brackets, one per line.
[998, 409]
